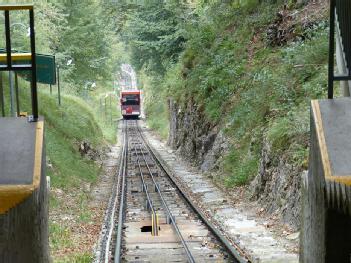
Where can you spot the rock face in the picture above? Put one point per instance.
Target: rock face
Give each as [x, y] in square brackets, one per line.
[277, 187]
[88, 151]
[277, 184]
[201, 142]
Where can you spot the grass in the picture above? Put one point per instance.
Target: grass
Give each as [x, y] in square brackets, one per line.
[60, 236]
[68, 167]
[80, 258]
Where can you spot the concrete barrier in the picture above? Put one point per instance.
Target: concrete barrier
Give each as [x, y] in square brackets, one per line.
[23, 192]
[326, 222]
[312, 244]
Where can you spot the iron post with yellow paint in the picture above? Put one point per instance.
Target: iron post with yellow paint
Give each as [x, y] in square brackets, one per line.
[154, 224]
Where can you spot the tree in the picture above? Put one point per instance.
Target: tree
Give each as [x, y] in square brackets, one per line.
[154, 35]
[85, 41]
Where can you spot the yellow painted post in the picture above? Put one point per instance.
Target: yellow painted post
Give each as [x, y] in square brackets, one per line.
[157, 224]
[154, 224]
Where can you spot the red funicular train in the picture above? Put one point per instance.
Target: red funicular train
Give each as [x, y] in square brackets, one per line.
[130, 104]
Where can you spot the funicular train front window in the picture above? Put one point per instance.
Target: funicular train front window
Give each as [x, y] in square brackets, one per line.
[130, 100]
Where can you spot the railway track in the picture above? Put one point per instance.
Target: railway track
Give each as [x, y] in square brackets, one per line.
[154, 221]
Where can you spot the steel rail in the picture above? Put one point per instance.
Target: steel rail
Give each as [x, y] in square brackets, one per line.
[113, 204]
[234, 251]
[151, 206]
[117, 255]
[186, 248]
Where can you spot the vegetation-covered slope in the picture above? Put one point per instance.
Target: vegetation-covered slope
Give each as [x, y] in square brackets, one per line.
[71, 173]
[66, 128]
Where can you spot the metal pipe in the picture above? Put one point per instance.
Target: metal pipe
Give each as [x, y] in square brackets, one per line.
[19, 68]
[17, 95]
[34, 93]
[331, 50]
[8, 57]
[8, 38]
[2, 101]
[12, 99]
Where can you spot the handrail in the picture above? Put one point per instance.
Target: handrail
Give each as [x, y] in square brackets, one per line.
[16, 57]
[9, 56]
[16, 7]
[339, 16]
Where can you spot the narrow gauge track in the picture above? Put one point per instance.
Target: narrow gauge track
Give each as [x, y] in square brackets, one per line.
[109, 242]
[155, 222]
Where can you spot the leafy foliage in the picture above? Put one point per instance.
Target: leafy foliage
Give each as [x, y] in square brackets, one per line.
[85, 41]
[154, 36]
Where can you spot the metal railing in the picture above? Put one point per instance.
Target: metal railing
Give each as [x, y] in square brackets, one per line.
[10, 57]
[340, 15]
